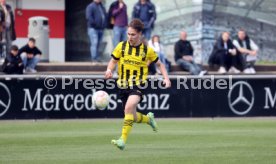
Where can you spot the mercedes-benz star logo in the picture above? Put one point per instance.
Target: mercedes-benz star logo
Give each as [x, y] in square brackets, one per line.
[5, 99]
[241, 98]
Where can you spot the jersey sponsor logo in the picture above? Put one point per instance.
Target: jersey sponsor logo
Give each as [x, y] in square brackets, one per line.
[132, 62]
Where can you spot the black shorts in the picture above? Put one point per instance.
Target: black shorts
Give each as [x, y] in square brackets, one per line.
[125, 93]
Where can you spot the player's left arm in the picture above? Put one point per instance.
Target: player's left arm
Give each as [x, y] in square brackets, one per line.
[163, 71]
[153, 57]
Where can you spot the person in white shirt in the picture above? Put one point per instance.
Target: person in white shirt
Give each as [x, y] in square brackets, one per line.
[248, 49]
[159, 49]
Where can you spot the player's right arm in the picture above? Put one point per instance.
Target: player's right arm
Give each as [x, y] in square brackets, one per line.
[110, 67]
[116, 54]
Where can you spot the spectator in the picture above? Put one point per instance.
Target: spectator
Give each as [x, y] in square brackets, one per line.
[159, 49]
[30, 55]
[118, 19]
[7, 26]
[248, 49]
[13, 62]
[145, 11]
[184, 56]
[96, 21]
[225, 55]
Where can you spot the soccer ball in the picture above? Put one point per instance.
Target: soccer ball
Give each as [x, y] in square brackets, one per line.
[100, 99]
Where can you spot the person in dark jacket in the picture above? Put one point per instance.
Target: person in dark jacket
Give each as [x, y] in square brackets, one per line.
[7, 25]
[225, 55]
[96, 17]
[118, 19]
[145, 11]
[13, 63]
[183, 52]
[30, 55]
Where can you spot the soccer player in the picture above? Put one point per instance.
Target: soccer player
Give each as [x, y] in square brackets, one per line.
[132, 57]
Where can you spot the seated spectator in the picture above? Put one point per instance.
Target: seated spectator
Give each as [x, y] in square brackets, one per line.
[184, 56]
[159, 49]
[30, 55]
[248, 50]
[13, 62]
[224, 55]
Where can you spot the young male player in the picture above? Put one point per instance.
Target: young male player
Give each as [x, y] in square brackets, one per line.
[132, 57]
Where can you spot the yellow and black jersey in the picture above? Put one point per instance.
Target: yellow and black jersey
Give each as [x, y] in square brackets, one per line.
[133, 63]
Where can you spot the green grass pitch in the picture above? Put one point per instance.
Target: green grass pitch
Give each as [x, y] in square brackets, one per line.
[230, 140]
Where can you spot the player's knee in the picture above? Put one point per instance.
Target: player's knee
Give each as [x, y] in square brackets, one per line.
[129, 109]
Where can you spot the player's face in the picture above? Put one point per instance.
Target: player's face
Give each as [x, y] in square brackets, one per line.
[241, 35]
[134, 37]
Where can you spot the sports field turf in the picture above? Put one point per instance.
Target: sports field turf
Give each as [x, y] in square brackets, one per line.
[235, 140]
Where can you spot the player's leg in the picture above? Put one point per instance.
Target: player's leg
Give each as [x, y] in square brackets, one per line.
[130, 108]
[141, 118]
[148, 119]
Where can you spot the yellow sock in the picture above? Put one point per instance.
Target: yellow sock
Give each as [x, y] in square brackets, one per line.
[142, 118]
[128, 122]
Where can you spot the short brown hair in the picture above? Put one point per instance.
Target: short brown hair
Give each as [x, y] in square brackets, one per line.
[137, 24]
[14, 48]
[32, 39]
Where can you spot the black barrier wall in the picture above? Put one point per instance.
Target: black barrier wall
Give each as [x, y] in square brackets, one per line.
[70, 97]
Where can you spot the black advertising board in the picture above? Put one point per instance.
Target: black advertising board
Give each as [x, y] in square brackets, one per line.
[56, 97]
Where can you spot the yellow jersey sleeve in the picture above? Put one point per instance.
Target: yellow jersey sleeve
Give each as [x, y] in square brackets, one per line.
[152, 55]
[117, 52]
